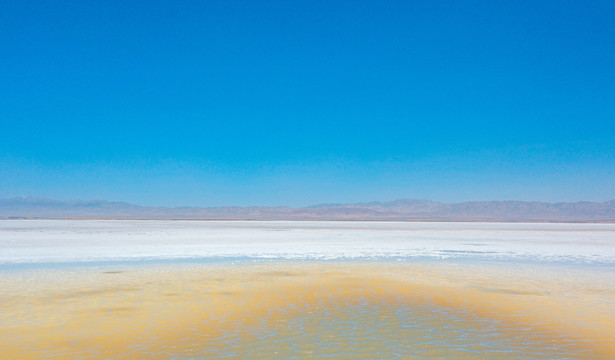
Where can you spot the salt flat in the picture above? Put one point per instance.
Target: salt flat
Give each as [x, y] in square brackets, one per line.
[61, 241]
[303, 290]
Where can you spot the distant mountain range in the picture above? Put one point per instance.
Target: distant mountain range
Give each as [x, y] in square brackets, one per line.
[403, 210]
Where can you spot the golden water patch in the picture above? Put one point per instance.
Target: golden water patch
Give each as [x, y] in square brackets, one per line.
[152, 312]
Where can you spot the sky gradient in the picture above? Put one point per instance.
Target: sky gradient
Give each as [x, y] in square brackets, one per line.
[212, 103]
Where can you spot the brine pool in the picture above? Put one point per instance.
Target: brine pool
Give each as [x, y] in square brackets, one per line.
[303, 290]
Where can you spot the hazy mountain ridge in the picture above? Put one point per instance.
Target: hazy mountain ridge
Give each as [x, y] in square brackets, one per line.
[403, 209]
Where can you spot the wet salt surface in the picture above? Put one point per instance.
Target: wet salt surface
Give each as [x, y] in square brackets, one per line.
[65, 241]
[388, 331]
[297, 290]
[301, 311]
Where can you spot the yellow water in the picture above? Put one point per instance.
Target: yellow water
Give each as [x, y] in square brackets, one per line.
[299, 310]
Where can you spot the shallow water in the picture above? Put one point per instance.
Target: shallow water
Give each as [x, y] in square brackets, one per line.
[460, 307]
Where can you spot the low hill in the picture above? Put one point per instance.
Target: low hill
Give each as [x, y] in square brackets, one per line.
[403, 210]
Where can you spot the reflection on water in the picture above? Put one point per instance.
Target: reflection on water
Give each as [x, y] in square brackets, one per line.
[309, 310]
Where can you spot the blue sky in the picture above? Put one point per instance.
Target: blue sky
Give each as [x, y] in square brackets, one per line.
[301, 102]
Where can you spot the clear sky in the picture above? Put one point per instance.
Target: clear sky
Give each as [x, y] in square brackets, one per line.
[302, 102]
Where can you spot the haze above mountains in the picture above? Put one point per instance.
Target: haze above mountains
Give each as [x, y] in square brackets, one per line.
[402, 210]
